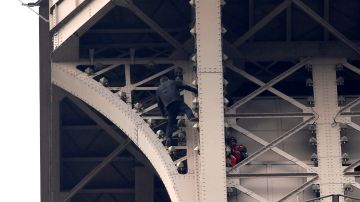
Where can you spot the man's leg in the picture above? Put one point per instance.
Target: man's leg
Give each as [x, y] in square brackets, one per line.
[183, 108]
[172, 114]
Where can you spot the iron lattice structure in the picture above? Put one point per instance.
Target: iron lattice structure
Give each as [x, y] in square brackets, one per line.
[272, 74]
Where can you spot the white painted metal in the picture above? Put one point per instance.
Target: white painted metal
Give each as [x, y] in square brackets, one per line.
[212, 171]
[61, 9]
[82, 20]
[192, 136]
[327, 134]
[109, 104]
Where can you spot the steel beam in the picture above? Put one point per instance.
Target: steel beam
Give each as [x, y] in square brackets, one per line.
[268, 115]
[54, 143]
[299, 189]
[271, 83]
[154, 76]
[97, 169]
[327, 135]
[138, 61]
[151, 23]
[250, 193]
[272, 175]
[126, 45]
[272, 144]
[63, 13]
[231, 116]
[132, 31]
[281, 51]
[274, 149]
[264, 21]
[110, 130]
[212, 172]
[94, 159]
[352, 114]
[352, 67]
[262, 68]
[352, 166]
[260, 83]
[81, 21]
[354, 126]
[111, 67]
[326, 25]
[45, 103]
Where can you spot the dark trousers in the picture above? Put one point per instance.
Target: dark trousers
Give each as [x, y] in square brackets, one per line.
[173, 110]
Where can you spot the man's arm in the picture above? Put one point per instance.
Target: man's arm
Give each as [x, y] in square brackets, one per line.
[181, 86]
[191, 89]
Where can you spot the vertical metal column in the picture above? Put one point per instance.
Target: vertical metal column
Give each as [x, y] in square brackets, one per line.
[328, 135]
[128, 89]
[45, 102]
[191, 136]
[55, 151]
[212, 170]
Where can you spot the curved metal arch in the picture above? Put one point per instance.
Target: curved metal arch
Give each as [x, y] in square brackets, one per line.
[79, 84]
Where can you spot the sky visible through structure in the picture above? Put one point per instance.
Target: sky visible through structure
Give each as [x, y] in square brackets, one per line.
[19, 104]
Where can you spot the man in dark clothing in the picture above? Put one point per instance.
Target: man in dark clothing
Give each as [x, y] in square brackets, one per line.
[171, 103]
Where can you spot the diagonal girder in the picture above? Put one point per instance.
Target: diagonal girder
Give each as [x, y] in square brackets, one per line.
[352, 67]
[250, 193]
[352, 166]
[270, 83]
[82, 20]
[326, 25]
[264, 143]
[264, 21]
[97, 169]
[113, 66]
[299, 189]
[271, 144]
[263, 68]
[109, 130]
[260, 83]
[155, 76]
[151, 23]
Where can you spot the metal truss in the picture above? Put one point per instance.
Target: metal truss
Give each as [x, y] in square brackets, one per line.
[76, 20]
[341, 116]
[96, 170]
[254, 29]
[92, 92]
[266, 87]
[234, 172]
[279, 9]
[271, 144]
[273, 147]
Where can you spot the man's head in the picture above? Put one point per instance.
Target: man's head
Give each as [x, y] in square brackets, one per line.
[164, 79]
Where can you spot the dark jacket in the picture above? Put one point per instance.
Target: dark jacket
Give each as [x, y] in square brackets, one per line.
[169, 92]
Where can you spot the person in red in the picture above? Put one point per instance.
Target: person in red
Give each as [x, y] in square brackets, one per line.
[235, 153]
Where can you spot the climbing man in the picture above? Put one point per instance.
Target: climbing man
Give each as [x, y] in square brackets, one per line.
[171, 103]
